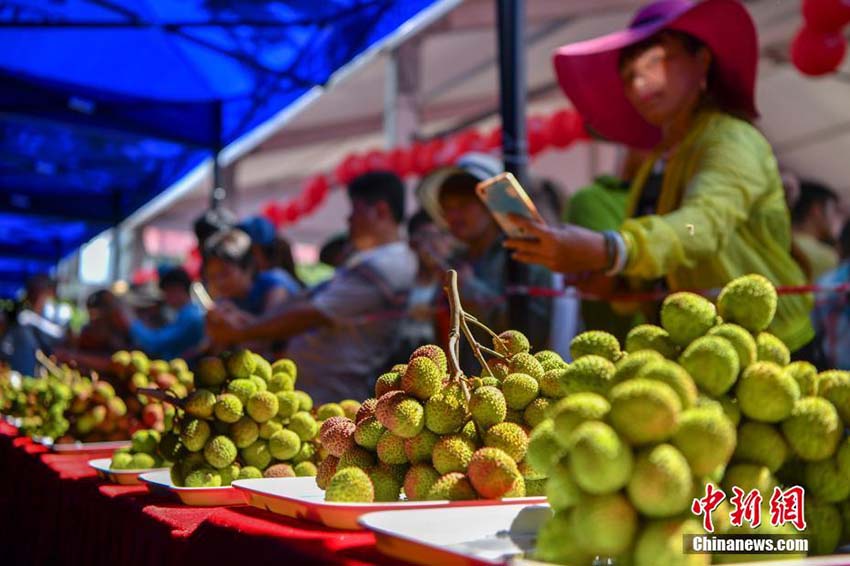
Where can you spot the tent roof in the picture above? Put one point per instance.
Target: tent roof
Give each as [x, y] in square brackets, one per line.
[106, 103]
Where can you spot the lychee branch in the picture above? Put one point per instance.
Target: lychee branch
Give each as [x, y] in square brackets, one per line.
[162, 396]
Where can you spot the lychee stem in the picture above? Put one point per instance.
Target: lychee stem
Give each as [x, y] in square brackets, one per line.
[162, 396]
[455, 311]
[476, 347]
[479, 324]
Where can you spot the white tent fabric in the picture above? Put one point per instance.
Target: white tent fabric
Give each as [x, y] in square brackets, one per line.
[807, 120]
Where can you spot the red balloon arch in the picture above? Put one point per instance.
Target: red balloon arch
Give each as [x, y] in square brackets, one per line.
[559, 130]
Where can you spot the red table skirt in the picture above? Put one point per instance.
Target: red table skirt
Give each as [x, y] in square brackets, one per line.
[54, 510]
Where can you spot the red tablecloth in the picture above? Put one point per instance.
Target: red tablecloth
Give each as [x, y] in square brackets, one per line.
[54, 510]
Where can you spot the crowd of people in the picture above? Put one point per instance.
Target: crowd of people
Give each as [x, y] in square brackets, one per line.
[698, 200]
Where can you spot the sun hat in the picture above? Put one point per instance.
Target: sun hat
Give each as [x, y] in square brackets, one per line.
[482, 166]
[589, 75]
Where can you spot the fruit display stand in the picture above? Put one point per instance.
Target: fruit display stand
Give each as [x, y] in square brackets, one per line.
[56, 510]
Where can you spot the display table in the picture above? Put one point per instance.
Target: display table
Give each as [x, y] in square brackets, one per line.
[55, 510]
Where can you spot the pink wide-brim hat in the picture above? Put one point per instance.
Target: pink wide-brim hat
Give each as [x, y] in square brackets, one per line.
[589, 74]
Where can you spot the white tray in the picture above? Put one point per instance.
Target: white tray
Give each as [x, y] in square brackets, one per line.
[486, 536]
[458, 536]
[122, 477]
[66, 447]
[160, 482]
[301, 498]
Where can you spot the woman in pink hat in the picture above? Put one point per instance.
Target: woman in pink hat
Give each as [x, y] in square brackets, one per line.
[708, 204]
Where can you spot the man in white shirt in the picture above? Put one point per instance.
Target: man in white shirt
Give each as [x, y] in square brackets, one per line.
[342, 333]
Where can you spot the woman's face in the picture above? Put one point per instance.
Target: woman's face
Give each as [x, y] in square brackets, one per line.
[665, 80]
[227, 280]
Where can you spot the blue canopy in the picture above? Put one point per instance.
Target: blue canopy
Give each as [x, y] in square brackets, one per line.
[104, 104]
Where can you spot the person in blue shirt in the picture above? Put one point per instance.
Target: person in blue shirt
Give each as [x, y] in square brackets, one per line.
[233, 277]
[184, 334]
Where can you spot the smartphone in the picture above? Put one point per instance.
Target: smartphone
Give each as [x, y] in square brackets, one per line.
[503, 195]
[200, 293]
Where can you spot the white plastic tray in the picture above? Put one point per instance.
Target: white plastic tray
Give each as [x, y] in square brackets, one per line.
[122, 477]
[160, 482]
[301, 498]
[458, 536]
[486, 536]
[77, 446]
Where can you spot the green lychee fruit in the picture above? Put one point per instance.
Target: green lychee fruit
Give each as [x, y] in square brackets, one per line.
[452, 487]
[814, 429]
[673, 375]
[805, 374]
[525, 363]
[508, 437]
[762, 444]
[519, 390]
[200, 404]
[422, 379]
[452, 453]
[419, 480]
[228, 408]
[244, 432]
[367, 433]
[749, 301]
[284, 444]
[403, 415]
[592, 374]
[328, 410]
[604, 525]
[652, 338]
[511, 342]
[304, 425]
[220, 452]
[446, 412]
[420, 448]
[630, 364]
[687, 316]
[350, 485]
[834, 386]
[712, 363]
[740, 339]
[390, 449]
[257, 455]
[661, 485]
[262, 406]
[767, 394]
[194, 434]
[596, 343]
[706, 438]
[644, 411]
[771, 349]
[600, 461]
[487, 406]
[386, 483]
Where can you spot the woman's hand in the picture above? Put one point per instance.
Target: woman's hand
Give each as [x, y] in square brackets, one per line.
[565, 249]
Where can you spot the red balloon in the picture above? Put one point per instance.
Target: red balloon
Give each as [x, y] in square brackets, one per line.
[376, 160]
[565, 127]
[494, 139]
[352, 166]
[272, 212]
[826, 15]
[426, 156]
[314, 193]
[817, 53]
[400, 161]
[539, 136]
[291, 212]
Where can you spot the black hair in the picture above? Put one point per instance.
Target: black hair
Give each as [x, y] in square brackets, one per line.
[211, 222]
[459, 184]
[812, 193]
[691, 44]
[174, 278]
[279, 254]
[380, 186]
[231, 246]
[332, 250]
[418, 221]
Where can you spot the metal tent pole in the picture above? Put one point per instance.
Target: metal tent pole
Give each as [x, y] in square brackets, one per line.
[218, 192]
[510, 15]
